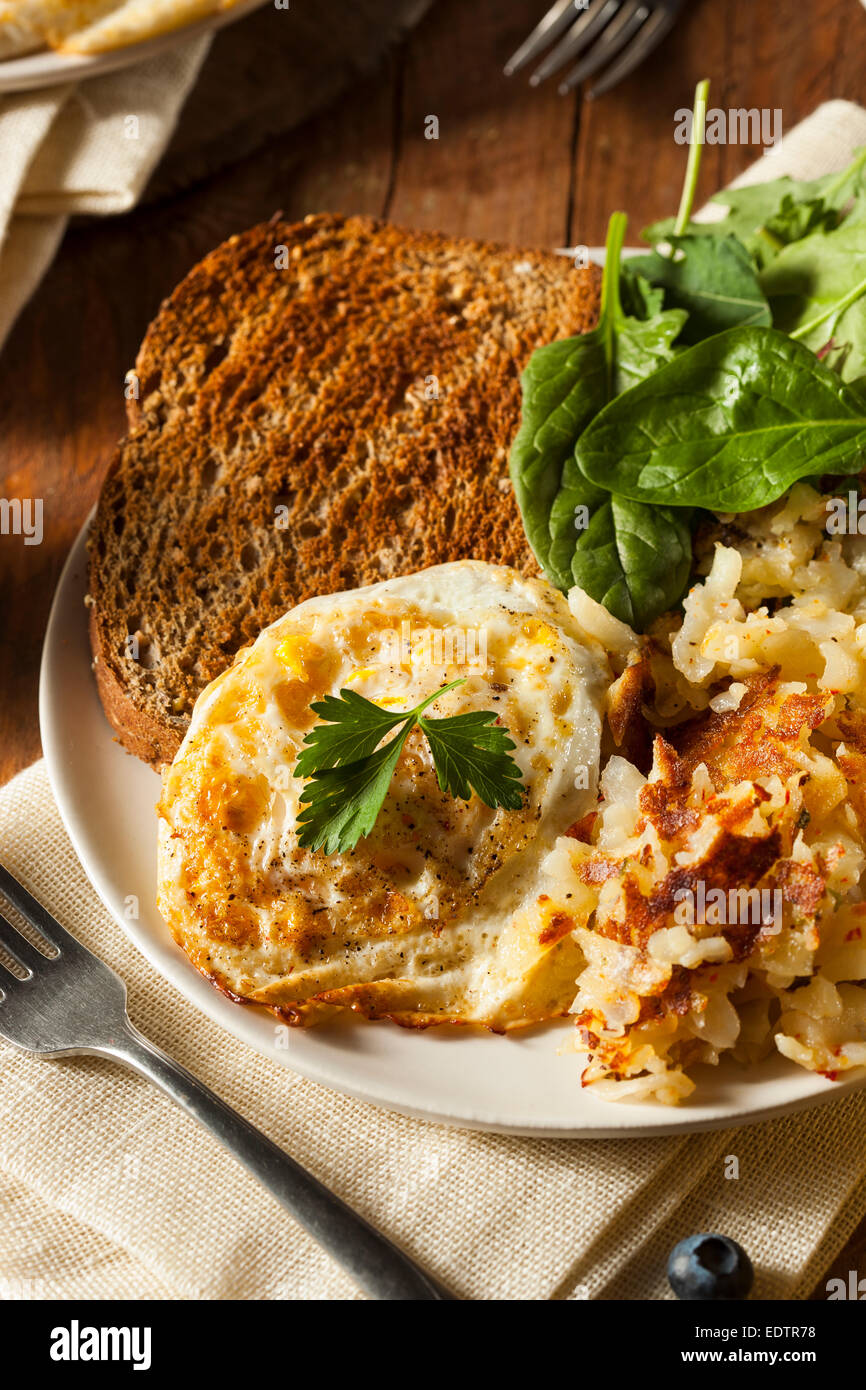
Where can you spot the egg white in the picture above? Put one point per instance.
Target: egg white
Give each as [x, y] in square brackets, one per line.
[438, 914]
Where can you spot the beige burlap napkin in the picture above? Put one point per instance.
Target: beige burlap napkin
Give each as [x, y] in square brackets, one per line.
[823, 143]
[109, 1191]
[85, 148]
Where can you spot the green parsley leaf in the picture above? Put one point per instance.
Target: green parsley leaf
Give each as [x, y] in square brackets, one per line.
[471, 753]
[354, 730]
[343, 803]
[349, 775]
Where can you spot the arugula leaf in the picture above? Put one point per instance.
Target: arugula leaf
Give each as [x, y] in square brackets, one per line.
[816, 288]
[564, 387]
[634, 559]
[728, 425]
[713, 280]
[349, 775]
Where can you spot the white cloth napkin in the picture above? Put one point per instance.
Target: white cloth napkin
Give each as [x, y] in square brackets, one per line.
[85, 148]
[108, 1191]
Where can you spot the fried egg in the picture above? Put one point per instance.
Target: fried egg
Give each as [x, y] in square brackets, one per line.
[438, 914]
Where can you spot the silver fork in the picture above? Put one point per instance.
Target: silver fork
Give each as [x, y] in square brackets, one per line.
[72, 1004]
[621, 32]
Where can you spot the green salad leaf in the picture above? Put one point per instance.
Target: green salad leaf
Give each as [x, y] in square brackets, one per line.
[564, 386]
[634, 559]
[638, 298]
[766, 216]
[729, 425]
[712, 279]
[817, 290]
[729, 362]
[794, 221]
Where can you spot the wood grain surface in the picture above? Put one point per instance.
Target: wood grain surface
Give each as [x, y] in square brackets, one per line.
[512, 163]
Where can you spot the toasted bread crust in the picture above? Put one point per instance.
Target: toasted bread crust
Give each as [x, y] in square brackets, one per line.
[320, 406]
[138, 731]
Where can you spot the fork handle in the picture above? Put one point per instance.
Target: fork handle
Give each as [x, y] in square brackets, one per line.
[374, 1263]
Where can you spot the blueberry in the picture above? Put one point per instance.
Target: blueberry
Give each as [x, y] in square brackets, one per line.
[710, 1266]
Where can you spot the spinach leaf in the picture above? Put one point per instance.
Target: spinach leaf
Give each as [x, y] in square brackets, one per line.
[643, 347]
[639, 299]
[817, 290]
[570, 515]
[728, 425]
[564, 386]
[624, 433]
[634, 559]
[765, 216]
[712, 279]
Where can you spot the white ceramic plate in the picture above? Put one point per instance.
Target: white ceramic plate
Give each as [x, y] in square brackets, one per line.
[517, 1084]
[48, 69]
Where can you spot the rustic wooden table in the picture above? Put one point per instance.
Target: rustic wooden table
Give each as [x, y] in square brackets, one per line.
[511, 163]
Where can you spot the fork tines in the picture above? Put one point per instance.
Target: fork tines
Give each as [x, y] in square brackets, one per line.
[22, 952]
[617, 32]
[34, 913]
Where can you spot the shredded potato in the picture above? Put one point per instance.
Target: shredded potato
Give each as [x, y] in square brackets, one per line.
[716, 892]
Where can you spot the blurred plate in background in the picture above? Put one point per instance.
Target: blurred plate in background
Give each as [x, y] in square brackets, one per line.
[49, 69]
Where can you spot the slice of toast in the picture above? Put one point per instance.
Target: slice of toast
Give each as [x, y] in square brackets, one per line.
[320, 405]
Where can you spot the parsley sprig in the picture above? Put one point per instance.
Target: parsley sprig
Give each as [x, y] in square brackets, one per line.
[349, 774]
